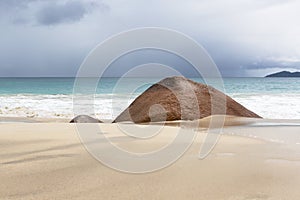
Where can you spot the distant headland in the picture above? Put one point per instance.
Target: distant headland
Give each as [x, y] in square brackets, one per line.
[285, 74]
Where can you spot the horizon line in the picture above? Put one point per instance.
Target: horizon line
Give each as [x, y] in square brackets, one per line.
[123, 77]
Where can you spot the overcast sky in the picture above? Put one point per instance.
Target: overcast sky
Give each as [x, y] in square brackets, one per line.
[244, 37]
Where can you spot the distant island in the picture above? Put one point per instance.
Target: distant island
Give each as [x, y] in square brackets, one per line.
[285, 74]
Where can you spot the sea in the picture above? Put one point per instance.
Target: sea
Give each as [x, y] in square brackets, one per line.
[271, 98]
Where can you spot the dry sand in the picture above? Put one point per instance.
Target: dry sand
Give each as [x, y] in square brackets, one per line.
[47, 161]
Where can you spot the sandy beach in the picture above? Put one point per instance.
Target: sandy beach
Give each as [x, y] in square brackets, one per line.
[48, 161]
[159, 100]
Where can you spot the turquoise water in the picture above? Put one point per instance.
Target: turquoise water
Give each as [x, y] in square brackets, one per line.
[65, 85]
[52, 97]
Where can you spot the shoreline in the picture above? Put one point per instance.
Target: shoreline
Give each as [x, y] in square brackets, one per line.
[32, 120]
[229, 120]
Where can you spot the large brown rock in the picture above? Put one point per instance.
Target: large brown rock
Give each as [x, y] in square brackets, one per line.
[178, 98]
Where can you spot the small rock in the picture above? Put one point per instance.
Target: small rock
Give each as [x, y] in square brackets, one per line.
[85, 119]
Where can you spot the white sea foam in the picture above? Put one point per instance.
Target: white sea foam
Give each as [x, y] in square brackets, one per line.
[272, 106]
[108, 106]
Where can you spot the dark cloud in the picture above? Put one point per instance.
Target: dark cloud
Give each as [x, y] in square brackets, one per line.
[55, 13]
[48, 12]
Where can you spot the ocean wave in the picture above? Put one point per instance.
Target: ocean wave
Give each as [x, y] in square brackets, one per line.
[271, 106]
[108, 106]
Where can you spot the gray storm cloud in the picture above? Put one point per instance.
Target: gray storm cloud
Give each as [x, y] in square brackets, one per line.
[48, 12]
[70, 11]
[56, 13]
[244, 37]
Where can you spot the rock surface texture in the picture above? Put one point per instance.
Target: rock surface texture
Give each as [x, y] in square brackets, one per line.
[178, 98]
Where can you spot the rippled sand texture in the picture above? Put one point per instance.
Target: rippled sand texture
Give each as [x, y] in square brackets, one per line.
[47, 161]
